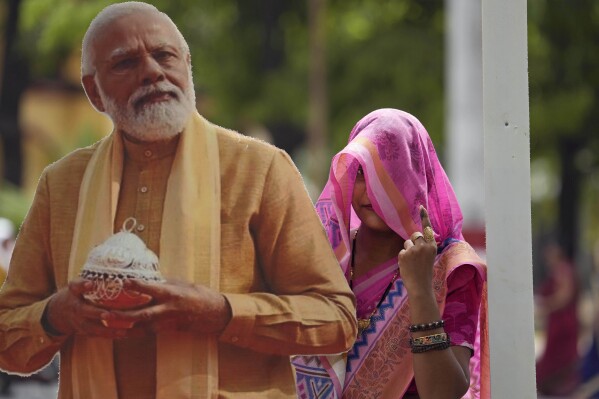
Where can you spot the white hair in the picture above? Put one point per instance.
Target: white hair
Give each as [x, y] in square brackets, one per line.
[105, 18]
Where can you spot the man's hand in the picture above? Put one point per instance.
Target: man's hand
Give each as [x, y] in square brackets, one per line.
[177, 306]
[68, 313]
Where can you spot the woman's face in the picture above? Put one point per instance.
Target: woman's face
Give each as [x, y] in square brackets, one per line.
[363, 206]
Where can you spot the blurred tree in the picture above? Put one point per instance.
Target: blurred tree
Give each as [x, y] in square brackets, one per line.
[318, 104]
[251, 58]
[564, 88]
[14, 80]
[13, 204]
[251, 68]
[385, 54]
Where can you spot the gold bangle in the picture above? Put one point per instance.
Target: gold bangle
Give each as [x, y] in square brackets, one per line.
[428, 340]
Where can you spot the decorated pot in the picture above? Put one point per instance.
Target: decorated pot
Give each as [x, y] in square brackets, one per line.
[122, 256]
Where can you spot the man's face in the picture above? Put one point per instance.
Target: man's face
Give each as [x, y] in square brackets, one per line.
[143, 77]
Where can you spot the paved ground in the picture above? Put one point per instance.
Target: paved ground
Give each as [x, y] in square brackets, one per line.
[35, 389]
[44, 385]
[32, 390]
[38, 390]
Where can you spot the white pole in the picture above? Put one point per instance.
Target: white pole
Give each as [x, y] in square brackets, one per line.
[464, 95]
[507, 198]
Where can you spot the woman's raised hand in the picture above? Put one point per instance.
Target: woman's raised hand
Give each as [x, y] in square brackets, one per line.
[417, 258]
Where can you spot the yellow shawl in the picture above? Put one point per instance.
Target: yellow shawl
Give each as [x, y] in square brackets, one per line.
[187, 364]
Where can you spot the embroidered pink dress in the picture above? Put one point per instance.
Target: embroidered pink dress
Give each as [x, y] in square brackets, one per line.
[461, 306]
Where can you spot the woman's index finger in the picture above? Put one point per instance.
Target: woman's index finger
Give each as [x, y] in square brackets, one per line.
[424, 219]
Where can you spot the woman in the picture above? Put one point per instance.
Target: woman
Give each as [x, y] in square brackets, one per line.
[557, 300]
[395, 225]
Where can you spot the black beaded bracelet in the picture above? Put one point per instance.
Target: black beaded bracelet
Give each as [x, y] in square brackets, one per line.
[427, 326]
[434, 347]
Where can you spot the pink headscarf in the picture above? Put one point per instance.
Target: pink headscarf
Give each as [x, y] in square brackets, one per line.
[402, 172]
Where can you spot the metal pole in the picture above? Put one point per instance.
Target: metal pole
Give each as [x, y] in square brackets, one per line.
[464, 122]
[507, 198]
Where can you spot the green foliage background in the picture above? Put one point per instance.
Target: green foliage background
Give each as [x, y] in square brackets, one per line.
[380, 54]
[251, 64]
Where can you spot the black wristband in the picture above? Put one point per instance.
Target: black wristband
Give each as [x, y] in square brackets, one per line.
[51, 331]
[427, 326]
[434, 347]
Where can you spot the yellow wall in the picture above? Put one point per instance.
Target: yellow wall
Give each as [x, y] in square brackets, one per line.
[54, 122]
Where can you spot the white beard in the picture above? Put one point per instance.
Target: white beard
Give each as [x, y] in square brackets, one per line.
[154, 121]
